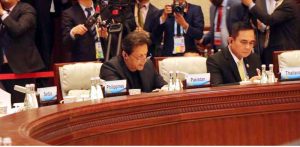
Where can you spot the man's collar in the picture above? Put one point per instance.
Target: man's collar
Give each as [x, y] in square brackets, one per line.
[83, 7]
[11, 8]
[145, 4]
[236, 59]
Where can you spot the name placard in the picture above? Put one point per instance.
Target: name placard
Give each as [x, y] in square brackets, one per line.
[197, 79]
[47, 93]
[113, 87]
[290, 73]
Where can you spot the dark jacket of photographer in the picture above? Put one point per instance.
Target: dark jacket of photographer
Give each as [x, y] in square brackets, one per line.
[194, 17]
[82, 47]
[17, 39]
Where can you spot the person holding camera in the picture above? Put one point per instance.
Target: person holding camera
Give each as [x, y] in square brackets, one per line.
[83, 37]
[181, 23]
[19, 53]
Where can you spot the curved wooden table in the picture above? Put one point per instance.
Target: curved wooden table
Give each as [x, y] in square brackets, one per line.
[229, 115]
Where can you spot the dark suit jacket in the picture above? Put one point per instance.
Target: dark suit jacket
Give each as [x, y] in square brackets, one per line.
[47, 27]
[235, 12]
[83, 47]
[116, 69]
[223, 69]
[194, 17]
[18, 39]
[150, 26]
[283, 31]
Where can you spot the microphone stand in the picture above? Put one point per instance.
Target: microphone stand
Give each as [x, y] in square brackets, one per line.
[114, 28]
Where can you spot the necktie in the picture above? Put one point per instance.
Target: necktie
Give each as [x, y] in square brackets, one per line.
[141, 18]
[219, 20]
[89, 11]
[217, 38]
[93, 27]
[240, 64]
[178, 29]
[274, 5]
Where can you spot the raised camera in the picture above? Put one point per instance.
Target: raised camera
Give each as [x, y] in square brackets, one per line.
[177, 7]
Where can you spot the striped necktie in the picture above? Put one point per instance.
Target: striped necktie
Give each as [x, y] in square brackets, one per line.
[92, 30]
[141, 15]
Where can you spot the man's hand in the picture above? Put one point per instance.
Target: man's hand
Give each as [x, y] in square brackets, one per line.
[79, 30]
[247, 2]
[255, 78]
[167, 11]
[182, 22]
[103, 32]
[1, 10]
[261, 26]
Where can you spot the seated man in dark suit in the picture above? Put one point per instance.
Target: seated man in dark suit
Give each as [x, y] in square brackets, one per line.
[237, 62]
[133, 65]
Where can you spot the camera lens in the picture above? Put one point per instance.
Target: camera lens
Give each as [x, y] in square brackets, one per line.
[178, 9]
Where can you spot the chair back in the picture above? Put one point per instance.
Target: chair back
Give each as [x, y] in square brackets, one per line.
[283, 59]
[190, 65]
[74, 77]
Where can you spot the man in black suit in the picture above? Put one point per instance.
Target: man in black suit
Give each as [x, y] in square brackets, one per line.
[146, 16]
[133, 65]
[237, 62]
[75, 33]
[180, 28]
[281, 26]
[48, 36]
[18, 50]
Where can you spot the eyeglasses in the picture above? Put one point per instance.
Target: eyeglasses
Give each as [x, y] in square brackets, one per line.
[141, 57]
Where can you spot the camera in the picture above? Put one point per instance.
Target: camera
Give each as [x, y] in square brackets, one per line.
[115, 4]
[177, 7]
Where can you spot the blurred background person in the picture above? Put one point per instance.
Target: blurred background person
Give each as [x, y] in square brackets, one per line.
[49, 36]
[19, 53]
[280, 19]
[223, 14]
[146, 16]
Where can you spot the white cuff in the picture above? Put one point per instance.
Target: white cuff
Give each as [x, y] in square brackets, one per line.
[72, 34]
[161, 21]
[251, 5]
[4, 15]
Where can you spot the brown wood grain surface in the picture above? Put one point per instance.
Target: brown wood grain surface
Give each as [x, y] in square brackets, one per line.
[230, 115]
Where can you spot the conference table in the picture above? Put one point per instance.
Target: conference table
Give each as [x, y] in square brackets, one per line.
[267, 114]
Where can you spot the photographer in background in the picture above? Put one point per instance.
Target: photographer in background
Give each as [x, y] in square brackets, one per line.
[181, 24]
[83, 39]
[18, 53]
